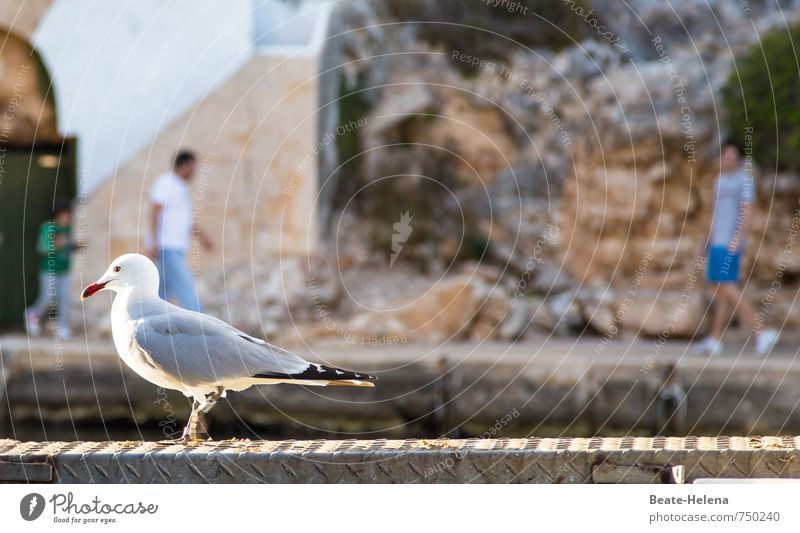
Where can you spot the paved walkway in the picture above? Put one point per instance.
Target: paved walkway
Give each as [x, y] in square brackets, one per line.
[541, 346]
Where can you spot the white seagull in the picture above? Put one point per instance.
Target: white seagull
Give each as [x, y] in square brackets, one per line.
[196, 354]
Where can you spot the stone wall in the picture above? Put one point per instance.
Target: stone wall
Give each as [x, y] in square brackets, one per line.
[617, 149]
[256, 182]
[27, 111]
[255, 185]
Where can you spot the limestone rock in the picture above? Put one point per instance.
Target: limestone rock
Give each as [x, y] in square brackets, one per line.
[596, 304]
[517, 321]
[666, 315]
[564, 313]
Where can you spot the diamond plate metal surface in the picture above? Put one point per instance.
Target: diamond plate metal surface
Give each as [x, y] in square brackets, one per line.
[563, 460]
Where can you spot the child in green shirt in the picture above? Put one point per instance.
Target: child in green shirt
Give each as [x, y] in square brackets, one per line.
[54, 247]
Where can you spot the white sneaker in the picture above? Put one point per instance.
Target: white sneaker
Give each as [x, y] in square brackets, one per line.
[765, 341]
[708, 346]
[32, 325]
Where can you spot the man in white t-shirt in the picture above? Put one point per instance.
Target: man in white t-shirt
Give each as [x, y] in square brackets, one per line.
[172, 228]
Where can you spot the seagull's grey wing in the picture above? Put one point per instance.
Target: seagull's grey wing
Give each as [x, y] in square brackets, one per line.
[198, 349]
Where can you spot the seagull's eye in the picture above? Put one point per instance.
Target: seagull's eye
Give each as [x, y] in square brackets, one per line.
[117, 268]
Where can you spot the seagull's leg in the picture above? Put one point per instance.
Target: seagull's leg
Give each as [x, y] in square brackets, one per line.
[210, 401]
[190, 431]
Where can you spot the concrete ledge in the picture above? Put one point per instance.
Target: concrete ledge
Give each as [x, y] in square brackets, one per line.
[615, 460]
[557, 388]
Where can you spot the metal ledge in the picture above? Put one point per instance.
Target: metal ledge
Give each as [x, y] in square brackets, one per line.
[567, 460]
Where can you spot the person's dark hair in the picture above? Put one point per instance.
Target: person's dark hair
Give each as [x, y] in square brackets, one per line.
[182, 157]
[732, 143]
[61, 206]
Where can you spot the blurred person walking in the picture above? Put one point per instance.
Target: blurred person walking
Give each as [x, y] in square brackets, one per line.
[55, 247]
[171, 231]
[734, 194]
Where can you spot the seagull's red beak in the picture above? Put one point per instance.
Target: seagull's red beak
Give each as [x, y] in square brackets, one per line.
[91, 289]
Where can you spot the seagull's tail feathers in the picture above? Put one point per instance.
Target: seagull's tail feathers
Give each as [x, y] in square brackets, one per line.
[349, 383]
[320, 376]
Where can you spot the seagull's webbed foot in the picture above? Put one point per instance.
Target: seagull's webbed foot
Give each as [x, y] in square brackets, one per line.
[180, 440]
[189, 436]
[183, 439]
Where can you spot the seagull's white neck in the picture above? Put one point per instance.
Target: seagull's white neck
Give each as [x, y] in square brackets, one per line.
[136, 294]
[129, 303]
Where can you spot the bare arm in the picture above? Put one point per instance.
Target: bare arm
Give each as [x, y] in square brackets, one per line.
[702, 248]
[155, 215]
[205, 241]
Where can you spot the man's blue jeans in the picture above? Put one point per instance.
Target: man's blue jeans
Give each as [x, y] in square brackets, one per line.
[177, 282]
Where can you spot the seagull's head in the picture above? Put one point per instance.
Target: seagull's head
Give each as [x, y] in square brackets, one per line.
[129, 271]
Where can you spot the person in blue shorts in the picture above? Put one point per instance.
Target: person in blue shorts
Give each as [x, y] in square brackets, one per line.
[734, 194]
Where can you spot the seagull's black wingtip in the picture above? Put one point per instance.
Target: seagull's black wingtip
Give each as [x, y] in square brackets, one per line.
[317, 372]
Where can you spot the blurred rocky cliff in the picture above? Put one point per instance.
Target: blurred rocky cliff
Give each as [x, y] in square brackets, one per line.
[572, 167]
[508, 167]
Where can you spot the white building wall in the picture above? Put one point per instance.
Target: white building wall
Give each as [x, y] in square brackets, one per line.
[123, 71]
